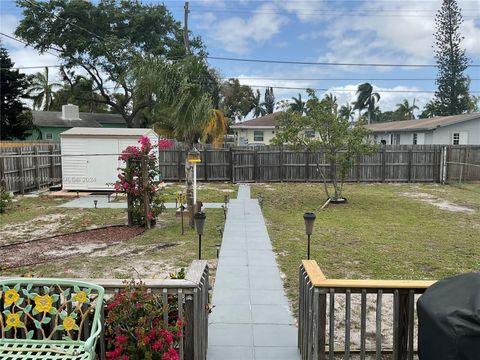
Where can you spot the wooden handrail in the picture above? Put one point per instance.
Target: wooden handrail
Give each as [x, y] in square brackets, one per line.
[319, 280]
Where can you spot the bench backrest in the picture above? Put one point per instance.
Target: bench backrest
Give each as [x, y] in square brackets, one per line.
[49, 309]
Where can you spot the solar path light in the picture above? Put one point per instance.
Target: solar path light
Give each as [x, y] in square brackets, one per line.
[309, 221]
[193, 157]
[199, 219]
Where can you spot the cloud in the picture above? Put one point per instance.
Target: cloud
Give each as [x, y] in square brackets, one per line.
[240, 35]
[306, 11]
[398, 32]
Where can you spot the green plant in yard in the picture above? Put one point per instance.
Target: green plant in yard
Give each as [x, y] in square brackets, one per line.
[322, 129]
[135, 328]
[5, 199]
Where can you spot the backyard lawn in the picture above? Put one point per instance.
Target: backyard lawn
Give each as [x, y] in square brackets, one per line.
[153, 254]
[385, 231]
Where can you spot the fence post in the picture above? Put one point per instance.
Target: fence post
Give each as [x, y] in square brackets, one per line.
[129, 198]
[281, 169]
[37, 167]
[322, 325]
[409, 169]
[359, 160]
[403, 326]
[21, 179]
[179, 164]
[307, 167]
[255, 165]
[384, 164]
[2, 171]
[231, 165]
[205, 164]
[189, 341]
[52, 165]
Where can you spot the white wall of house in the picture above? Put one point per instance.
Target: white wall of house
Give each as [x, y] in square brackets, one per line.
[254, 136]
[465, 133]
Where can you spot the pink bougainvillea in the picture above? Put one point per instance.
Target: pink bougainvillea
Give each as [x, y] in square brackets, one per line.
[130, 181]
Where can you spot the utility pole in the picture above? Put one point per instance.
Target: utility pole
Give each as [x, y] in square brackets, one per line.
[185, 29]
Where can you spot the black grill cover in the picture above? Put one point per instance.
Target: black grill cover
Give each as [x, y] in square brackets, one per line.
[449, 319]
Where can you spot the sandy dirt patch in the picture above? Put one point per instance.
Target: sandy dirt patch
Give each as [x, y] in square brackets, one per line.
[438, 202]
[38, 227]
[64, 246]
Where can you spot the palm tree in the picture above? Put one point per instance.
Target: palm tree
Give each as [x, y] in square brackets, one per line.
[258, 106]
[298, 105]
[405, 110]
[366, 100]
[332, 99]
[346, 111]
[216, 128]
[41, 90]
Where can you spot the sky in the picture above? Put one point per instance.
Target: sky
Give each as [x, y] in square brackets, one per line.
[347, 31]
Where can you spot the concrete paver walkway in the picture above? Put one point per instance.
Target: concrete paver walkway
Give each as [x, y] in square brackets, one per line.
[251, 318]
[86, 202]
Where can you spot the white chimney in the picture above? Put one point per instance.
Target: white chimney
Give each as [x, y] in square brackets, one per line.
[70, 112]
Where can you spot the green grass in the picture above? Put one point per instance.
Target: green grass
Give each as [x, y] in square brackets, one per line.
[378, 234]
[152, 254]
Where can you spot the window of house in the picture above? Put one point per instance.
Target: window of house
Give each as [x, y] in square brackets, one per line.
[415, 137]
[456, 138]
[309, 133]
[48, 136]
[258, 135]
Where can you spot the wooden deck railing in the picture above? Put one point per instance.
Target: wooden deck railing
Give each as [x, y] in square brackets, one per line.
[192, 298]
[377, 317]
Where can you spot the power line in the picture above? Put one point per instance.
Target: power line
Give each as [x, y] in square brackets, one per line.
[323, 63]
[331, 79]
[27, 44]
[347, 90]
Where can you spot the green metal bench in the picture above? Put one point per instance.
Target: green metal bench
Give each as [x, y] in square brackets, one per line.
[49, 319]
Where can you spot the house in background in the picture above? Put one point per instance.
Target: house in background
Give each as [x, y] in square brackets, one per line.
[49, 124]
[445, 130]
[259, 131]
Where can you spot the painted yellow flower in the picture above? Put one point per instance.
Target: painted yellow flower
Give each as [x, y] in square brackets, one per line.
[43, 303]
[69, 323]
[13, 320]
[81, 297]
[11, 296]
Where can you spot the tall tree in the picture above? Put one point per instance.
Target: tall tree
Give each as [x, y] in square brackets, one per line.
[332, 99]
[340, 141]
[105, 39]
[366, 100]
[452, 96]
[41, 90]
[346, 111]
[298, 104]
[235, 99]
[16, 120]
[429, 110]
[258, 108]
[405, 110]
[269, 100]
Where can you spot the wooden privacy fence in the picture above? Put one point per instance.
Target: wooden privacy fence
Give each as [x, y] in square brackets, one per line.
[356, 317]
[391, 163]
[190, 296]
[29, 167]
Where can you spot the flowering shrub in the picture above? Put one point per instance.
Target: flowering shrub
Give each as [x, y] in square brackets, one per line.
[130, 181]
[135, 328]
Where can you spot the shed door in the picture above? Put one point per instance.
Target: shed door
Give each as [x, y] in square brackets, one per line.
[102, 169]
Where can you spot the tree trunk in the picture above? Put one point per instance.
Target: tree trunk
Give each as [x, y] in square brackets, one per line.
[189, 189]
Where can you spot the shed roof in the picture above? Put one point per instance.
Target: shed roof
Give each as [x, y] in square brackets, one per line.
[266, 121]
[54, 119]
[423, 124]
[91, 131]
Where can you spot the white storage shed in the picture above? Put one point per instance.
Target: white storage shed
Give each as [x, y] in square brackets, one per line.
[94, 162]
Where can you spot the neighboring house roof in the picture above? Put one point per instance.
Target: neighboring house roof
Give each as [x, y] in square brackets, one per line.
[423, 124]
[262, 122]
[54, 119]
[92, 131]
